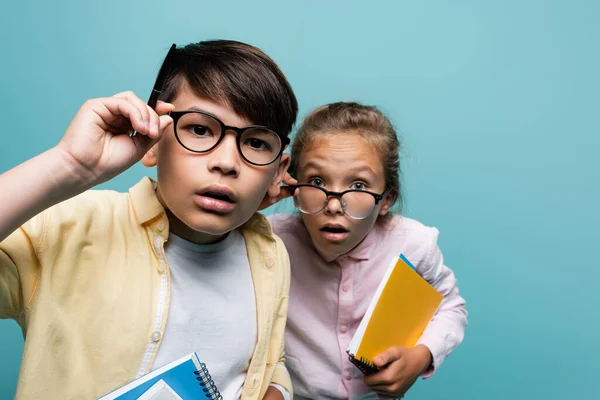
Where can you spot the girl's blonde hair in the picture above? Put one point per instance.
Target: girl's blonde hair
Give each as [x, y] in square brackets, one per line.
[348, 118]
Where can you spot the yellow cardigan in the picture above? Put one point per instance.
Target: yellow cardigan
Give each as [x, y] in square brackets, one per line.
[89, 285]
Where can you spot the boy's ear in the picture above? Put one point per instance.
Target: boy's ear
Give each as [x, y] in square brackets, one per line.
[274, 188]
[149, 159]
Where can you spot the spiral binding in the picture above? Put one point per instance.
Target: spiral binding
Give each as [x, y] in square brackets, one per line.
[207, 384]
[365, 365]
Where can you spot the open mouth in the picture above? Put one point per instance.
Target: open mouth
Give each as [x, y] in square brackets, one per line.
[216, 199]
[220, 193]
[218, 196]
[334, 229]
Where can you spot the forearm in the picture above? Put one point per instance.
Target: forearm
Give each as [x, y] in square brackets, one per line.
[445, 332]
[447, 328]
[36, 185]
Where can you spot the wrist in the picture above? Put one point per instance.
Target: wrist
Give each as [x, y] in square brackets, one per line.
[67, 174]
[424, 356]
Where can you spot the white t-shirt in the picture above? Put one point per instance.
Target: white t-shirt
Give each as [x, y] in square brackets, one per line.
[212, 310]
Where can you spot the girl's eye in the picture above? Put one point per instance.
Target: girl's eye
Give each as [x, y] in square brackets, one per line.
[316, 182]
[358, 186]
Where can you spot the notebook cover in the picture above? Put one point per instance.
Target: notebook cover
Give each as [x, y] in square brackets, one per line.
[405, 308]
[181, 378]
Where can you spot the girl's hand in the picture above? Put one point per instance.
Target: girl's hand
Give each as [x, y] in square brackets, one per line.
[399, 369]
[97, 145]
[284, 193]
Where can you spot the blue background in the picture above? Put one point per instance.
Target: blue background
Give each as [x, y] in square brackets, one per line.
[497, 103]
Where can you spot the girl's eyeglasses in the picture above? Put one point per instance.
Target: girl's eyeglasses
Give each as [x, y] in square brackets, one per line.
[356, 204]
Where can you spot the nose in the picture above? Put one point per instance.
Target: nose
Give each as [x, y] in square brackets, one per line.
[334, 206]
[225, 158]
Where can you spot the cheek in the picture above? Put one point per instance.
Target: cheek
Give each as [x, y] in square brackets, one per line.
[309, 221]
[363, 227]
[175, 165]
[255, 181]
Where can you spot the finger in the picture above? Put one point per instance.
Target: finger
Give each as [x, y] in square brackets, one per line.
[163, 107]
[397, 388]
[112, 109]
[159, 124]
[284, 193]
[164, 122]
[388, 356]
[389, 391]
[154, 122]
[391, 374]
[121, 126]
[288, 180]
[139, 103]
[142, 144]
[378, 380]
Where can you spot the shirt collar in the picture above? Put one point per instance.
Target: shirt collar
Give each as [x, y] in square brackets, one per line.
[144, 201]
[365, 248]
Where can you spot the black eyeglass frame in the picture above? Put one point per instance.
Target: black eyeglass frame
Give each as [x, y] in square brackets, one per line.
[329, 194]
[176, 115]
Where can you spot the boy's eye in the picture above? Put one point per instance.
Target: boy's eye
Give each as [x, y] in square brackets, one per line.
[316, 182]
[199, 130]
[259, 140]
[257, 144]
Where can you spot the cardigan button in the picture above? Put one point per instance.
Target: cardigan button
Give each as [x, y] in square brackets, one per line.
[161, 267]
[156, 336]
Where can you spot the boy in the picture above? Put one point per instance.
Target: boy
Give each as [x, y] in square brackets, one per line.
[108, 286]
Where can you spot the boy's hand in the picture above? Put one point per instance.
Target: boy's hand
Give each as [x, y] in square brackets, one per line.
[95, 147]
[273, 394]
[399, 369]
[97, 144]
[284, 193]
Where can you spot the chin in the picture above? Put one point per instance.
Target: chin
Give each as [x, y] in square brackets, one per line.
[331, 251]
[214, 229]
[337, 249]
[211, 224]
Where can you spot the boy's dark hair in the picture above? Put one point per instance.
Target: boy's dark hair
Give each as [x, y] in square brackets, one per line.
[235, 75]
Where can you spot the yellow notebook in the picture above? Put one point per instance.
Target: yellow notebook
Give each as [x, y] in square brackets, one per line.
[397, 315]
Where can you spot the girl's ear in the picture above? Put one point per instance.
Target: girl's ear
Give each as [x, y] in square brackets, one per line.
[387, 203]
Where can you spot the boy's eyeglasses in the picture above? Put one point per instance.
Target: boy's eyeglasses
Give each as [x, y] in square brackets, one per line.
[200, 132]
[357, 204]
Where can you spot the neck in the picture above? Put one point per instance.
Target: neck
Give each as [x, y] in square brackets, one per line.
[183, 231]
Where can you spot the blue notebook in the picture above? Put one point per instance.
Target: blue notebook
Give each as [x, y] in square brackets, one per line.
[187, 377]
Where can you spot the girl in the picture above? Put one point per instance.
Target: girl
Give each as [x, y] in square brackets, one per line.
[346, 168]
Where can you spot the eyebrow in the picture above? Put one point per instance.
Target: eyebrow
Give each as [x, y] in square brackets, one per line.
[195, 108]
[360, 168]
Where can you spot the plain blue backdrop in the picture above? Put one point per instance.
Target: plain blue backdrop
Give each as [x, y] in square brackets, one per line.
[498, 107]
